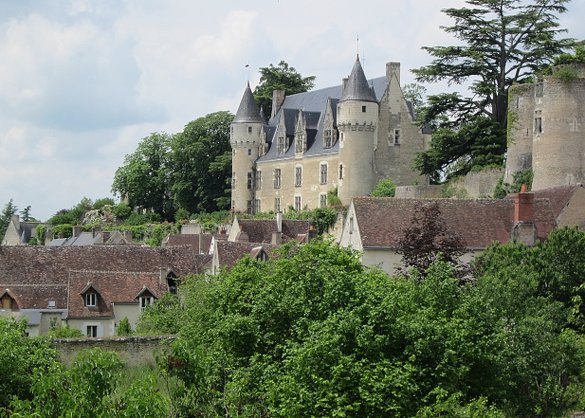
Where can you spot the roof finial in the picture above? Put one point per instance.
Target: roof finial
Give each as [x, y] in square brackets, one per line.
[358, 46]
[248, 67]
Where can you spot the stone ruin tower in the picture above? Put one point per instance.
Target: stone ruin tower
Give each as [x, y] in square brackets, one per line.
[546, 129]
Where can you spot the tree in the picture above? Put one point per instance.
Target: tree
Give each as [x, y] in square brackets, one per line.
[144, 178]
[501, 43]
[25, 215]
[201, 164]
[6, 216]
[384, 188]
[427, 238]
[282, 77]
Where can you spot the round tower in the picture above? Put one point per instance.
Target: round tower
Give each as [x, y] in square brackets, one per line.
[357, 118]
[559, 131]
[246, 142]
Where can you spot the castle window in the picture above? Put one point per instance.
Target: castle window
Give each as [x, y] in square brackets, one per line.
[323, 173]
[249, 129]
[538, 122]
[300, 143]
[257, 208]
[298, 176]
[250, 180]
[248, 206]
[328, 138]
[341, 173]
[363, 109]
[277, 204]
[258, 180]
[396, 136]
[281, 144]
[249, 151]
[277, 179]
[298, 203]
[323, 200]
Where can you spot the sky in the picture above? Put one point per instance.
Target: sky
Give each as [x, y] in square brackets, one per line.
[83, 81]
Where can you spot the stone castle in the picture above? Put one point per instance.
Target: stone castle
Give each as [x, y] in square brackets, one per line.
[345, 137]
[546, 129]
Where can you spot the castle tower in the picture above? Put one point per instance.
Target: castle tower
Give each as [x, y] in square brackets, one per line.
[246, 139]
[357, 118]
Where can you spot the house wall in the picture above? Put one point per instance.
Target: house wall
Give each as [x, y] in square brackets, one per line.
[131, 311]
[386, 259]
[105, 326]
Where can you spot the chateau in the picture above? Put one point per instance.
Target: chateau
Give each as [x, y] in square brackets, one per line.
[546, 124]
[345, 137]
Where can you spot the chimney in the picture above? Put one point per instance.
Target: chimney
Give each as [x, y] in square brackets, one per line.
[277, 101]
[393, 69]
[524, 228]
[344, 81]
[76, 231]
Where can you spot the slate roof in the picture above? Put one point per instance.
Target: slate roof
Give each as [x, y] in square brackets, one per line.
[357, 87]
[36, 274]
[261, 230]
[248, 110]
[381, 221]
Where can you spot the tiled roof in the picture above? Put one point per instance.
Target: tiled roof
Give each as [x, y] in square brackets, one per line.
[229, 253]
[381, 221]
[559, 197]
[193, 240]
[118, 287]
[38, 274]
[261, 230]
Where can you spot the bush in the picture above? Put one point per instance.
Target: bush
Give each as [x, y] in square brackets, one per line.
[384, 188]
[124, 328]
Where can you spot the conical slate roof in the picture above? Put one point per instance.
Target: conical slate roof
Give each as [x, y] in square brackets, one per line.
[248, 110]
[357, 87]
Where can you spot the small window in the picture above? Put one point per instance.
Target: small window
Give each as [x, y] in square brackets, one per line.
[351, 224]
[323, 200]
[538, 122]
[277, 178]
[298, 203]
[341, 173]
[328, 138]
[145, 301]
[363, 109]
[249, 206]
[323, 174]
[90, 299]
[298, 176]
[250, 180]
[249, 129]
[277, 204]
[249, 151]
[396, 136]
[91, 331]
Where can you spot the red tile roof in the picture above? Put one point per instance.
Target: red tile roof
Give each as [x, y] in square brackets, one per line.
[559, 197]
[381, 221]
[229, 253]
[201, 242]
[261, 230]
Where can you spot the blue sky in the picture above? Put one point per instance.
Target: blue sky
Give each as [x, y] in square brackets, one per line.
[81, 82]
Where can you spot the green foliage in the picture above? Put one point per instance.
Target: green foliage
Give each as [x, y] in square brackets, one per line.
[333, 200]
[322, 218]
[25, 215]
[64, 332]
[521, 177]
[62, 230]
[41, 234]
[124, 328]
[144, 178]
[577, 58]
[566, 73]
[6, 216]
[201, 164]
[478, 142]
[384, 188]
[104, 201]
[20, 357]
[499, 44]
[122, 211]
[182, 215]
[161, 318]
[281, 77]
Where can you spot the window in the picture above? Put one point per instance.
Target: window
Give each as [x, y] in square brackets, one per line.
[298, 203]
[249, 151]
[249, 129]
[145, 301]
[258, 180]
[250, 180]
[277, 204]
[277, 178]
[91, 331]
[300, 143]
[249, 206]
[323, 174]
[341, 171]
[351, 225]
[323, 200]
[281, 144]
[328, 138]
[257, 208]
[396, 136]
[363, 109]
[90, 299]
[538, 122]
[298, 176]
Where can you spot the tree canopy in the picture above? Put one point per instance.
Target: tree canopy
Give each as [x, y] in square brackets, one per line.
[5, 217]
[281, 77]
[500, 43]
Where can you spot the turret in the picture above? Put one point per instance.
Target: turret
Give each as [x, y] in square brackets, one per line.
[246, 139]
[357, 118]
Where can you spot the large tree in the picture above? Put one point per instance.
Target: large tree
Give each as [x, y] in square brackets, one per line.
[144, 178]
[201, 164]
[281, 77]
[5, 217]
[501, 42]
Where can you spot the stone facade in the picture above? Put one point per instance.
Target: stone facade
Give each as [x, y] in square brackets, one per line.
[546, 130]
[345, 137]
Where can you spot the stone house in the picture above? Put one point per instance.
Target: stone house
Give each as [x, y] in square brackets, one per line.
[345, 137]
[374, 226]
[19, 232]
[90, 288]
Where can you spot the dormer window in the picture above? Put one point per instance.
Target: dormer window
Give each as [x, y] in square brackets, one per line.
[301, 143]
[328, 138]
[7, 302]
[145, 298]
[281, 144]
[90, 299]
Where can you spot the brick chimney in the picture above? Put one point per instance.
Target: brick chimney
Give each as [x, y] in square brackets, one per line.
[278, 97]
[524, 228]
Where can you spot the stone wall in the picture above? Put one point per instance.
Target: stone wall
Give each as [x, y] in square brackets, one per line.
[476, 184]
[419, 192]
[133, 351]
